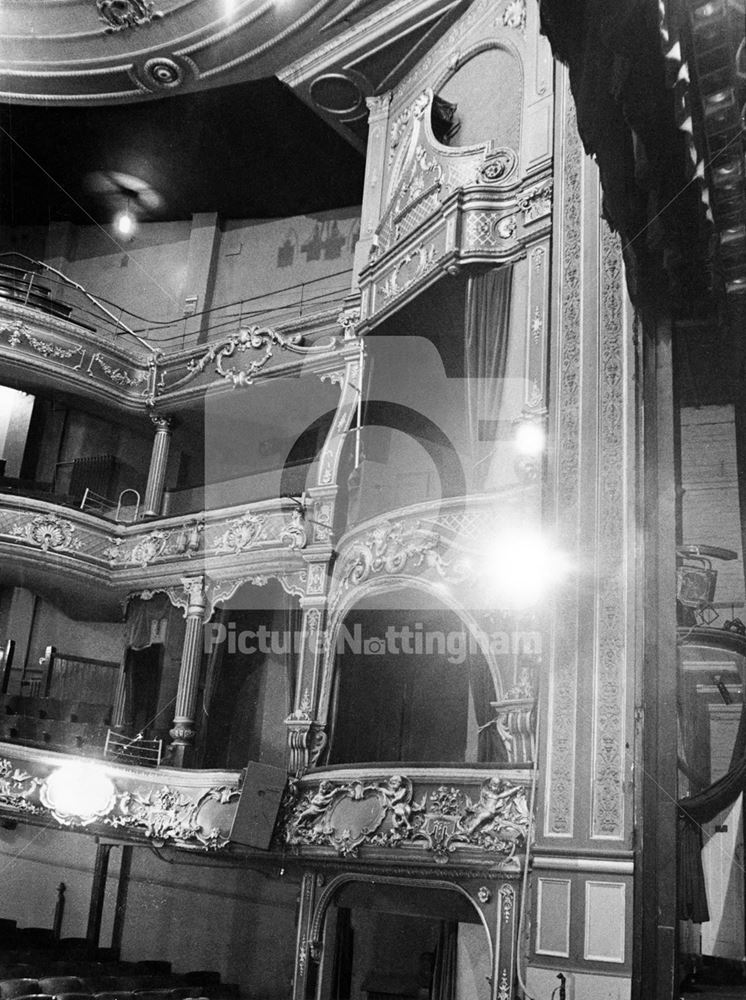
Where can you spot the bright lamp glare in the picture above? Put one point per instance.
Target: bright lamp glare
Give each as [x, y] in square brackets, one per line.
[530, 439]
[79, 791]
[521, 568]
[124, 223]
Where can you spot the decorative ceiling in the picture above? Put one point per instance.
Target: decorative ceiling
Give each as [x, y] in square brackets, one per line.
[151, 100]
[251, 150]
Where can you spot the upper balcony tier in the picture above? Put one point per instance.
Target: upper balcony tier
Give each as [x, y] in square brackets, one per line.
[46, 343]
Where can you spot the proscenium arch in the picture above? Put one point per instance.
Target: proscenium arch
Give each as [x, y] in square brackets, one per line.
[388, 585]
[399, 417]
[330, 891]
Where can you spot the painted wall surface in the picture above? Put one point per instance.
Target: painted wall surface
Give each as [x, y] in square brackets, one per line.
[265, 257]
[145, 274]
[233, 920]
[271, 270]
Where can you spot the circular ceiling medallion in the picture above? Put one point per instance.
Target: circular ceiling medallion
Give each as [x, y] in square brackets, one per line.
[336, 94]
[163, 73]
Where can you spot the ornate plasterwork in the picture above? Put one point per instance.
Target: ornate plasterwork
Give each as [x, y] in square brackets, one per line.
[242, 534]
[390, 548]
[536, 201]
[295, 533]
[48, 532]
[401, 123]
[16, 788]
[498, 166]
[348, 319]
[18, 331]
[119, 376]
[386, 813]
[118, 15]
[559, 812]
[514, 15]
[167, 815]
[253, 338]
[611, 601]
[181, 541]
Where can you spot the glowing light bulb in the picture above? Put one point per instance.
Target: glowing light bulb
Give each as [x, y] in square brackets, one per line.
[530, 438]
[521, 568]
[125, 223]
[80, 792]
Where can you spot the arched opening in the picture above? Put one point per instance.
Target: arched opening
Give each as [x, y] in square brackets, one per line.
[411, 663]
[251, 645]
[395, 939]
[474, 89]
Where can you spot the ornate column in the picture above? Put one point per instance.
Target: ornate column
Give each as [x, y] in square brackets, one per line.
[375, 166]
[183, 731]
[153, 503]
[306, 739]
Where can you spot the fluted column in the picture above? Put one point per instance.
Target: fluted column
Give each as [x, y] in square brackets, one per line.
[153, 504]
[183, 730]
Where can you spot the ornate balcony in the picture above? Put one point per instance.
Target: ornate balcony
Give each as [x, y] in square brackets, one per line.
[40, 349]
[188, 809]
[425, 815]
[48, 546]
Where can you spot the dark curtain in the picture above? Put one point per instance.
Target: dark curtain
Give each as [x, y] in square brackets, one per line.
[444, 973]
[142, 617]
[342, 973]
[490, 747]
[487, 322]
[694, 810]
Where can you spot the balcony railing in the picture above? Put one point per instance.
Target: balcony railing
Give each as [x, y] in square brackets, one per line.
[37, 285]
[266, 536]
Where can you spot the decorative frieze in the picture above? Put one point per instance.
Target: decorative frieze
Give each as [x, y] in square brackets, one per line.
[387, 813]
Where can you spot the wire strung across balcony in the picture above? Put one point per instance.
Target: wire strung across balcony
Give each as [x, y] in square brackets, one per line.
[36, 284]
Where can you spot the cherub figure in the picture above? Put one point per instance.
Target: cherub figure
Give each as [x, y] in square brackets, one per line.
[316, 805]
[398, 791]
[491, 797]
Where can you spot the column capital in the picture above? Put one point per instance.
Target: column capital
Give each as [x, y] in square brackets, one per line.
[195, 590]
[162, 422]
[378, 105]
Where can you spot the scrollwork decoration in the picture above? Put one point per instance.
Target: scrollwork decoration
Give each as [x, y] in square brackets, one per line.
[48, 532]
[253, 338]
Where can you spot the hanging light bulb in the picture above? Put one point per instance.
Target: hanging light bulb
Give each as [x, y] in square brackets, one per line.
[125, 223]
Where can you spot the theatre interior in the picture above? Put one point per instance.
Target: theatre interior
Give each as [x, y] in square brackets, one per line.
[372, 499]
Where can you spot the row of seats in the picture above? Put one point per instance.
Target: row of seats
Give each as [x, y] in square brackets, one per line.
[34, 965]
[64, 710]
[73, 736]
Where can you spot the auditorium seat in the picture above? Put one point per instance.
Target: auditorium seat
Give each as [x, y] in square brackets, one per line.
[10, 988]
[62, 984]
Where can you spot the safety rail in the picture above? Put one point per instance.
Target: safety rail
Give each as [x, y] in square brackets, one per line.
[35, 283]
[133, 750]
[95, 503]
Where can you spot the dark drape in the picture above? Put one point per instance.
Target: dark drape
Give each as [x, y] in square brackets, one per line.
[487, 322]
[444, 973]
[342, 972]
[143, 618]
[490, 747]
[694, 810]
